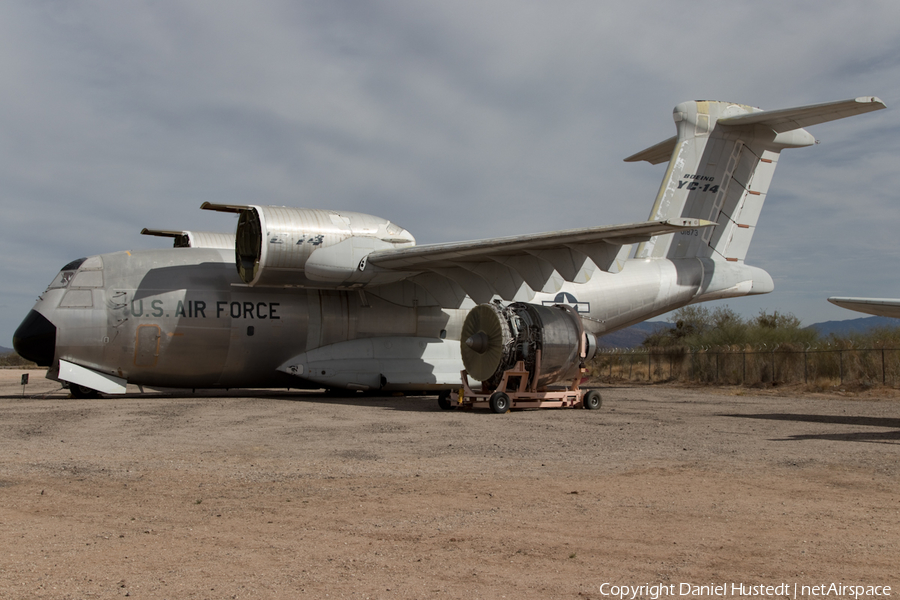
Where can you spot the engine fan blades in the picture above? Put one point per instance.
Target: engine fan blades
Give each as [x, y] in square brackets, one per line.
[485, 334]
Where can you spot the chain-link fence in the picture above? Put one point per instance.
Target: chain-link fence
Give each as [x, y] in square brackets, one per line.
[822, 366]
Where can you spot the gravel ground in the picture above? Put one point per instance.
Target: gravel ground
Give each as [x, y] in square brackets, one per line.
[262, 494]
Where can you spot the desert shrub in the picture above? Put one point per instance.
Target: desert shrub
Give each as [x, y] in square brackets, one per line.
[11, 359]
[700, 327]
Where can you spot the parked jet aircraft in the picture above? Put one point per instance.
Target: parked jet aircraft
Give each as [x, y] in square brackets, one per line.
[882, 307]
[325, 298]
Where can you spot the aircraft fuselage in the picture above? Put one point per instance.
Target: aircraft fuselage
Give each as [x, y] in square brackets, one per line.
[181, 317]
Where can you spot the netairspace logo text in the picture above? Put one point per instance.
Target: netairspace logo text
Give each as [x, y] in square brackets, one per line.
[736, 590]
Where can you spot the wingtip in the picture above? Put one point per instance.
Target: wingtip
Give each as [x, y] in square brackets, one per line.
[872, 100]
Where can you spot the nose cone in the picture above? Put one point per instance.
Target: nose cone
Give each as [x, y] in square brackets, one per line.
[35, 339]
[479, 342]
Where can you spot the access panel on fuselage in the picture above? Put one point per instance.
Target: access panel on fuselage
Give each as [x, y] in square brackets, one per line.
[168, 337]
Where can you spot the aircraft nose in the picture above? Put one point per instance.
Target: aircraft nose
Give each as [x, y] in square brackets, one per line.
[35, 339]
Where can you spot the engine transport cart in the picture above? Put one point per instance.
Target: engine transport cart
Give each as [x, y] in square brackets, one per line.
[524, 355]
[514, 391]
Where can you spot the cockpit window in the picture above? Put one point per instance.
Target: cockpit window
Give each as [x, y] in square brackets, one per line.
[73, 266]
[66, 274]
[62, 280]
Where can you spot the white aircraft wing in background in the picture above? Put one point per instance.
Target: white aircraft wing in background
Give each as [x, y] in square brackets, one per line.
[882, 307]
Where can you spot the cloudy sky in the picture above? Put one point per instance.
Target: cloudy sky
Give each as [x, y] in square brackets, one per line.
[456, 120]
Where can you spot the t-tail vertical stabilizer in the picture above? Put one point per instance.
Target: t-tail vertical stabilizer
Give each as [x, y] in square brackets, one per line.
[721, 163]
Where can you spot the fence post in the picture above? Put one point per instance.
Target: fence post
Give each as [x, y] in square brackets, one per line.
[805, 370]
[882, 366]
[743, 367]
[649, 364]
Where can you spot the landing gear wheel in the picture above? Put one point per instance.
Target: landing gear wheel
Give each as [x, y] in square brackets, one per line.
[592, 400]
[444, 400]
[80, 392]
[499, 403]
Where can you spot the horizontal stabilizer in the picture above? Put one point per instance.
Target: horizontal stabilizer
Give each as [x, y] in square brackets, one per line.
[788, 119]
[654, 155]
[721, 164]
[780, 121]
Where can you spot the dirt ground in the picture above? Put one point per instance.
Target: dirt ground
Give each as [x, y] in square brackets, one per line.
[295, 495]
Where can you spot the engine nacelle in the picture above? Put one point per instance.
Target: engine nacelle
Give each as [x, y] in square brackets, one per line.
[550, 340]
[281, 246]
[194, 239]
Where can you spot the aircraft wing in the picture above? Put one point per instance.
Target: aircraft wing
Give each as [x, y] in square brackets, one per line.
[882, 307]
[517, 267]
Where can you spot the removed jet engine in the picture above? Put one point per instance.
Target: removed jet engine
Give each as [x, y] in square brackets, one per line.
[550, 340]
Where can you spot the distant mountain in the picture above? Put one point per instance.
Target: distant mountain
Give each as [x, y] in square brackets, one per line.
[634, 336]
[854, 325]
[5, 350]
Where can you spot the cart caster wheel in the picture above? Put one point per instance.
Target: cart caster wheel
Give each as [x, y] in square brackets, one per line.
[592, 400]
[444, 400]
[499, 403]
